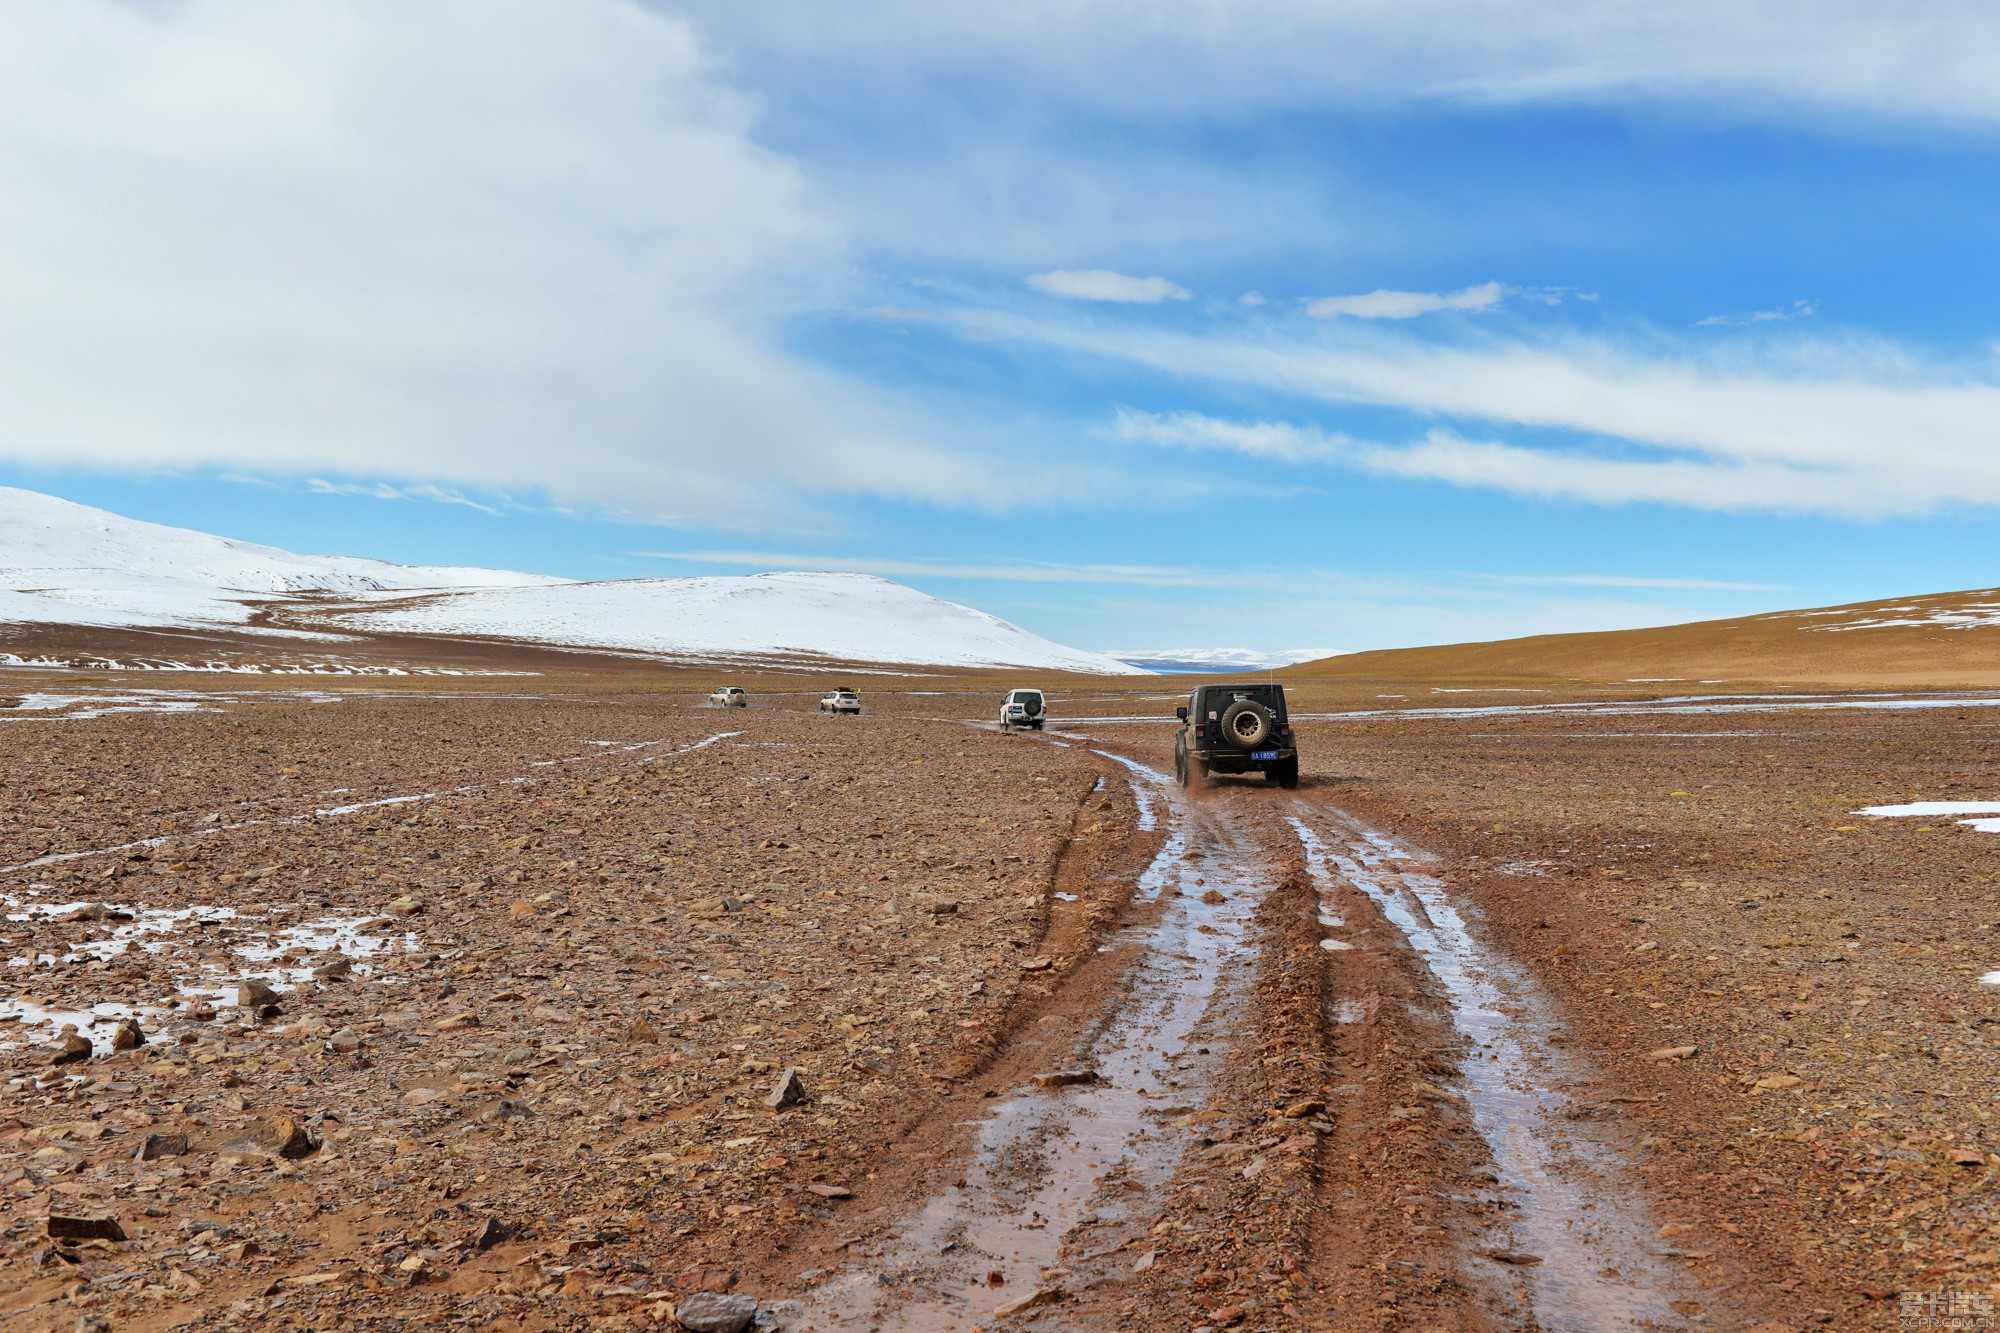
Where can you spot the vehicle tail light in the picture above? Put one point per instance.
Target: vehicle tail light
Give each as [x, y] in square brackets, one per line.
[1199, 730]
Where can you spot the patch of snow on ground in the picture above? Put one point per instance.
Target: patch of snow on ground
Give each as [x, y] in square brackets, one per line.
[1934, 809]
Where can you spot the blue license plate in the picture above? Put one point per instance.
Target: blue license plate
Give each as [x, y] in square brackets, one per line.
[1263, 754]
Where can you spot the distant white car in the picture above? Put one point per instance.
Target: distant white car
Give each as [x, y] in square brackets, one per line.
[842, 700]
[1023, 708]
[730, 696]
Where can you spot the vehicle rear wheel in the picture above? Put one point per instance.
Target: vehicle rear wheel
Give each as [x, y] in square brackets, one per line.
[1036, 725]
[1286, 774]
[1180, 768]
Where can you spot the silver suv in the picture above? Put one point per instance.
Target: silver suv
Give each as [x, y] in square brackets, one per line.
[730, 696]
[1023, 708]
[842, 700]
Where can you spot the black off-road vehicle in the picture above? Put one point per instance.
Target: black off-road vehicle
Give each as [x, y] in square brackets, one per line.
[1235, 729]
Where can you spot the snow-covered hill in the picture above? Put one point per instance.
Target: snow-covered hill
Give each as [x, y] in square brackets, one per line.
[853, 617]
[67, 564]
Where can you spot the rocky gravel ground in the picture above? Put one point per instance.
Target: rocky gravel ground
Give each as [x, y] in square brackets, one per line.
[570, 1004]
[1785, 995]
[644, 986]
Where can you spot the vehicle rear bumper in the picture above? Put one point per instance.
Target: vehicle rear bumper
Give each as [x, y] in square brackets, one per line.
[1239, 761]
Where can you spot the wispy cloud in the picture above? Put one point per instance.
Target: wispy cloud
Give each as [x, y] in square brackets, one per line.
[1005, 571]
[382, 490]
[1796, 310]
[1101, 284]
[1385, 304]
[1621, 581]
[1833, 426]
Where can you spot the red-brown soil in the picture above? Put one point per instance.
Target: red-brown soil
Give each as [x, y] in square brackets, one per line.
[608, 946]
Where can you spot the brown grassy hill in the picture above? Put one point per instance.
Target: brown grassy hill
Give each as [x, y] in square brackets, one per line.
[1945, 639]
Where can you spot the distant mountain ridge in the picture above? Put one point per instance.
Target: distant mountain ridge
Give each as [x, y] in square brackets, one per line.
[66, 564]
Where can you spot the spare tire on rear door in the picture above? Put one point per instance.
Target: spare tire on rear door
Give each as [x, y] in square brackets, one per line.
[1247, 724]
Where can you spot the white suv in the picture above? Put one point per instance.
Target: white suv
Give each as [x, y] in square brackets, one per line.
[1023, 708]
[842, 700]
[730, 696]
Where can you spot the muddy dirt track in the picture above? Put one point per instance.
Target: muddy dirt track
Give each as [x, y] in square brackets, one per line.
[1589, 1019]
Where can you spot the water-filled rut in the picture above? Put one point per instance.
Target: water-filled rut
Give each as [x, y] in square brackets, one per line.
[1580, 1231]
[1051, 1160]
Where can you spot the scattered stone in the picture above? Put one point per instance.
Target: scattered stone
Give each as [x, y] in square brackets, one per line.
[789, 1090]
[949, 907]
[458, 1022]
[1515, 1257]
[333, 969]
[521, 910]
[1065, 1078]
[405, 906]
[155, 1146]
[280, 1136]
[1675, 1053]
[1777, 1082]
[65, 1226]
[1303, 1110]
[1039, 1296]
[489, 1233]
[832, 1191]
[128, 1035]
[84, 912]
[345, 1042]
[504, 1110]
[252, 993]
[638, 1032]
[1038, 965]
[70, 1048]
[711, 1312]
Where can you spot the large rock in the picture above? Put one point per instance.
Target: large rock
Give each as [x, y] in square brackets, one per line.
[70, 1048]
[709, 1312]
[789, 1090]
[280, 1136]
[254, 994]
[64, 1226]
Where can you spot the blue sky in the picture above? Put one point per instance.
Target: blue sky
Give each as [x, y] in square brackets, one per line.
[1146, 325]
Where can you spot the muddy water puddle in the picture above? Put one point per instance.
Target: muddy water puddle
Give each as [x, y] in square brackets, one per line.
[1059, 1169]
[1580, 1233]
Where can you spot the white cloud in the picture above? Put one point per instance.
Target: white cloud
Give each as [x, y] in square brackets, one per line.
[1889, 479]
[1099, 284]
[382, 490]
[1194, 59]
[1828, 426]
[509, 244]
[1796, 310]
[1012, 571]
[1383, 304]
